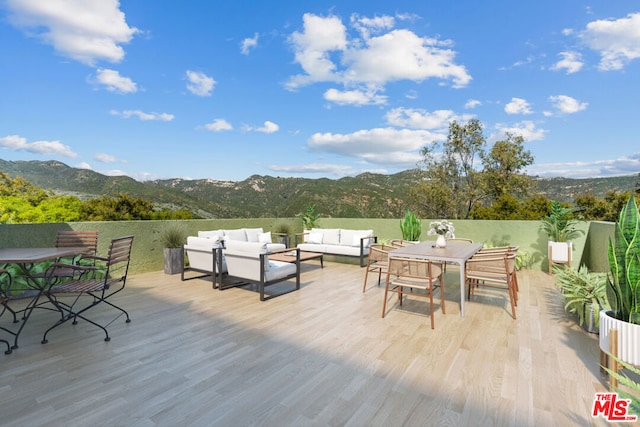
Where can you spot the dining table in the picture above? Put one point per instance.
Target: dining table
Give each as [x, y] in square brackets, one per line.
[453, 252]
[26, 259]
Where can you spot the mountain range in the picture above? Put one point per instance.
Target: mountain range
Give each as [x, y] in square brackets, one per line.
[367, 195]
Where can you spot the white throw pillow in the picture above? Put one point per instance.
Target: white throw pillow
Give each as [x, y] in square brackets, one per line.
[315, 238]
[265, 237]
[356, 241]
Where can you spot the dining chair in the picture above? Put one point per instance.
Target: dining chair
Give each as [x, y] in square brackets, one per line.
[501, 251]
[86, 240]
[102, 282]
[415, 277]
[399, 243]
[455, 239]
[5, 289]
[378, 261]
[494, 271]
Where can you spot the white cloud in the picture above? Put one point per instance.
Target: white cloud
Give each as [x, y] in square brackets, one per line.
[517, 106]
[336, 170]
[567, 105]
[420, 119]
[114, 82]
[384, 146]
[199, 83]
[248, 44]
[367, 26]
[165, 117]
[396, 55]
[626, 165]
[84, 30]
[617, 41]
[218, 125]
[268, 127]
[527, 129]
[571, 62]
[472, 103]
[106, 158]
[354, 97]
[84, 165]
[18, 143]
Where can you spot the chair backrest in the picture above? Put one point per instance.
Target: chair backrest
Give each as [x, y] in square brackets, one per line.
[498, 263]
[413, 268]
[5, 286]
[379, 252]
[399, 243]
[460, 239]
[78, 239]
[246, 259]
[119, 257]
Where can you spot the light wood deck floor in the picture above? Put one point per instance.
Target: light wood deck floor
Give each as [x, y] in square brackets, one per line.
[319, 356]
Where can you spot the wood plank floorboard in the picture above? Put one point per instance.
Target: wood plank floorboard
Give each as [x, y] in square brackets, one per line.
[320, 356]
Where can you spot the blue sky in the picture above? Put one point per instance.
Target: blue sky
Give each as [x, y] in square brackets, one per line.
[225, 90]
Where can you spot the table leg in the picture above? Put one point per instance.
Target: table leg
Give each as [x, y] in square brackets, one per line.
[462, 292]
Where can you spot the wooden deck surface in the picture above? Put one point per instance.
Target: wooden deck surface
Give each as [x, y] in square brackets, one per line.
[319, 356]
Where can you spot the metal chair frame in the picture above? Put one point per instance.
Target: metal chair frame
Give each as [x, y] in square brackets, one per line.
[98, 288]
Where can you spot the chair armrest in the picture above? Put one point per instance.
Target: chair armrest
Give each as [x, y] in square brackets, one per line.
[300, 235]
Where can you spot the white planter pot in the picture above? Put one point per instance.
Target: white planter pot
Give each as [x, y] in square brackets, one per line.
[441, 241]
[628, 337]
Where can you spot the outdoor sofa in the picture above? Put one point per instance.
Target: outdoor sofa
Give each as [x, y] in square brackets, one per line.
[337, 241]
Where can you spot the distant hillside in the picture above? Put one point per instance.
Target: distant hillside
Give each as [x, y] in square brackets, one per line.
[566, 189]
[363, 196]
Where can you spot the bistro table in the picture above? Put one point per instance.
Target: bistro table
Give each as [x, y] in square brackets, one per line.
[26, 258]
[456, 252]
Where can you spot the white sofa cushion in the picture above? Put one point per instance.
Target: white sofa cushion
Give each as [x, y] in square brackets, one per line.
[214, 234]
[200, 253]
[253, 234]
[264, 237]
[314, 238]
[352, 237]
[237, 235]
[330, 236]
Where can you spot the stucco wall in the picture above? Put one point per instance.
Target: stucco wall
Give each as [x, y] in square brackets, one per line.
[147, 250]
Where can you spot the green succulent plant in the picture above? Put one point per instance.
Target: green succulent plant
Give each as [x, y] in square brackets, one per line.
[623, 291]
[410, 226]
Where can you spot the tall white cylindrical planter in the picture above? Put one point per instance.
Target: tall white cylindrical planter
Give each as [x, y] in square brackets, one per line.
[628, 337]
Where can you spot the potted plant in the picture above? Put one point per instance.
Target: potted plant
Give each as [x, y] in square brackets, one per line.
[283, 231]
[172, 238]
[623, 290]
[443, 229]
[310, 217]
[584, 293]
[411, 227]
[561, 227]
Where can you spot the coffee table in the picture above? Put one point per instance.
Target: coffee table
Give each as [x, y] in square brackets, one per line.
[291, 257]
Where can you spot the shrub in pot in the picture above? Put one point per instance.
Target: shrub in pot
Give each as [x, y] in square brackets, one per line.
[172, 238]
[623, 290]
[584, 293]
[410, 227]
[561, 227]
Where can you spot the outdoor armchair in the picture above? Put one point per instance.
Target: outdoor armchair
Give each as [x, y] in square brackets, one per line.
[248, 263]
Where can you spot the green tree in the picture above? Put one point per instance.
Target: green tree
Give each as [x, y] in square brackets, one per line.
[121, 207]
[452, 173]
[503, 168]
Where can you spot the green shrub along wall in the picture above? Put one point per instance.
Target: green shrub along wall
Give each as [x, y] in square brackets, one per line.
[590, 249]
